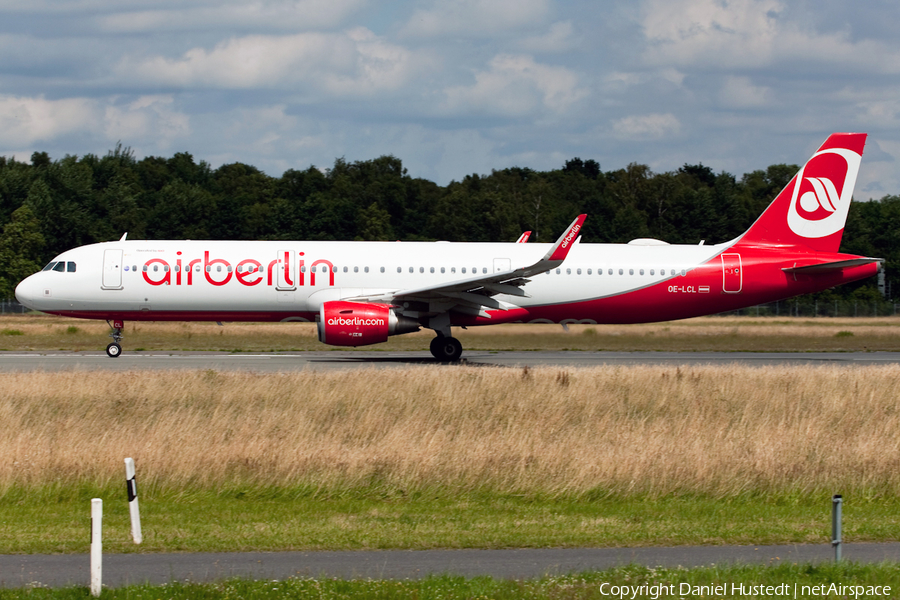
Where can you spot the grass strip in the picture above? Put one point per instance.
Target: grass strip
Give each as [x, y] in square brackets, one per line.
[725, 334]
[793, 581]
[355, 521]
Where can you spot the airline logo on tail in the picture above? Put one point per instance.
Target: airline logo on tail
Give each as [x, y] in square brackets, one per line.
[822, 192]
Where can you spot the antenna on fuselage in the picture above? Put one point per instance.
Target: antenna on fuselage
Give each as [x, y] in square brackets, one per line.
[124, 235]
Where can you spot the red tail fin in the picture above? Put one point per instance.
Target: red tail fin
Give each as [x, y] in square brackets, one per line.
[812, 210]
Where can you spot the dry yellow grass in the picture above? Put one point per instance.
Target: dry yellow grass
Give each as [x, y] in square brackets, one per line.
[47, 325]
[637, 430]
[751, 334]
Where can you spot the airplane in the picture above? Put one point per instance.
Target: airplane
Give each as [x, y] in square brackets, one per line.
[360, 293]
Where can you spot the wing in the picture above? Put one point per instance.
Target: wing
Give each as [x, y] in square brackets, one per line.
[473, 295]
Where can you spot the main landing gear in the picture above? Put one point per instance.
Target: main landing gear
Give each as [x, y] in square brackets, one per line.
[446, 348]
[114, 349]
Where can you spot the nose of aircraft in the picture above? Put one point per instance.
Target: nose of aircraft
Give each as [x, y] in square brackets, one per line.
[27, 292]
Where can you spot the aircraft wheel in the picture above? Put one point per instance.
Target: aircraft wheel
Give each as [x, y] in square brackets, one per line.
[446, 349]
[113, 350]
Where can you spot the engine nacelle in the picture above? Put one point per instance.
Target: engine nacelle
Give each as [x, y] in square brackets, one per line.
[344, 323]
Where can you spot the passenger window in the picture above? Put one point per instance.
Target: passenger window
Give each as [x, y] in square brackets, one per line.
[156, 268]
[411, 269]
[683, 272]
[70, 267]
[355, 269]
[621, 272]
[484, 270]
[382, 269]
[399, 270]
[464, 270]
[568, 271]
[197, 269]
[642, 271]
[49, 266]
[578, 271]
[453, 269]
[60, 266]
[558, 271]
[443, 270]
[631, 271]
[345, 269]
[610, 271]
[589, 272]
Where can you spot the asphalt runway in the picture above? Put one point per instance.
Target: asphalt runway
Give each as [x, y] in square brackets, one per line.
[124, 569]
[344, 360]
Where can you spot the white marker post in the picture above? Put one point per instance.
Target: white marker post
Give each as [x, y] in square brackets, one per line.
[96, 546]
[131, 484]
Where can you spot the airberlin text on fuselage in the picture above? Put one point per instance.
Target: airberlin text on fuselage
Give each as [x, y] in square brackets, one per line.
[248, 272]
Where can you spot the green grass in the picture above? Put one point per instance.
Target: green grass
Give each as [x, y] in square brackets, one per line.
[641, 582]
[273, 520]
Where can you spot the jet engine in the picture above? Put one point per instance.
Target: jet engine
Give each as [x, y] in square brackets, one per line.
[344, 323]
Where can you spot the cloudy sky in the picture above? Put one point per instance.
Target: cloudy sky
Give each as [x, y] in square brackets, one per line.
[454, 87]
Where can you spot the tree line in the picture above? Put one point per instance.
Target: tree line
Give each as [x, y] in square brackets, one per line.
[49, 206]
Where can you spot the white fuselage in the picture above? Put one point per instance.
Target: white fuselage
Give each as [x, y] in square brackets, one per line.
[221, 280]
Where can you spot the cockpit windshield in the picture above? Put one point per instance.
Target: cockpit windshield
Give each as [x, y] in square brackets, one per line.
[61, 266]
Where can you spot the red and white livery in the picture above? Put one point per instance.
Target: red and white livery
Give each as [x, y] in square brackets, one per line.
[360, 293]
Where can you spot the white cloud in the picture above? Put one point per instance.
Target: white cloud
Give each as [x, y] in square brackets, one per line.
[295, 15]
[352, 62]
[739, 92]
[474, 18]
[37, 121]
[146, 117]
[559, 38]
[621, 81]
[750, 34]
[25, 121]
[646, 127]
[515, 85]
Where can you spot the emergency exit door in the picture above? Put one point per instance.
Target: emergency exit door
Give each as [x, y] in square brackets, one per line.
[285, 266]
[732, 274]
[501, 265]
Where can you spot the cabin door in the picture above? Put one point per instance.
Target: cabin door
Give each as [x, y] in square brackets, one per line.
[112, 270]
[732, 274]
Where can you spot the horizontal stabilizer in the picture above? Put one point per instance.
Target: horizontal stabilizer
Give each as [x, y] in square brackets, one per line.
[833, 266]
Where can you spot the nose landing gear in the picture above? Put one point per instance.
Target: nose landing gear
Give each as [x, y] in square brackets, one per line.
[114, 349]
